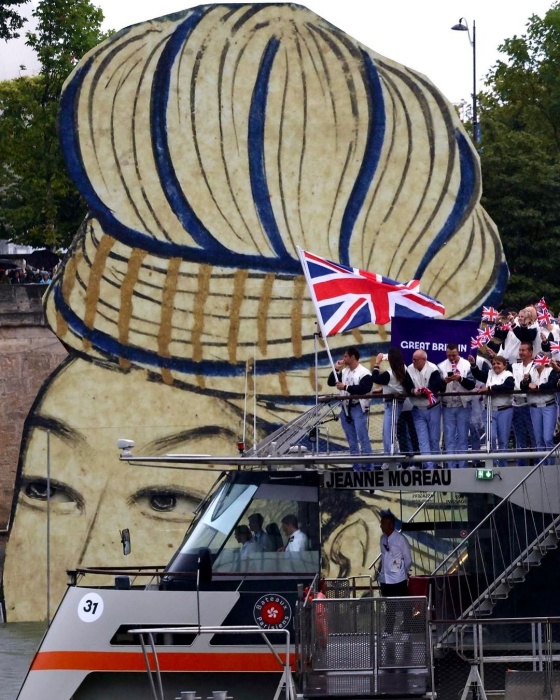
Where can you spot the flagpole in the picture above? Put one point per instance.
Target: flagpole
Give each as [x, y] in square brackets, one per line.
[315, 334]
[319, 319]
[255, 402]
[245, 403]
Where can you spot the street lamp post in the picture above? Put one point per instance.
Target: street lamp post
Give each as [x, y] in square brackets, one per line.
[472, 39]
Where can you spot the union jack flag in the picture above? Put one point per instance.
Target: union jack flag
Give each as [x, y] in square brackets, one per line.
[540, 360]
[487, 333]
[346, 297]
[490, 314]
[542, 304]
[543, 317]
[432, 398]
[478, 342]
[505, 327]
[554, 346]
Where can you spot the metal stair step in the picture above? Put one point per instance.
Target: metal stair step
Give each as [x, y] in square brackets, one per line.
[551, 540]
[501, 592]
[485, 607]
[534, 557]
[517, 575]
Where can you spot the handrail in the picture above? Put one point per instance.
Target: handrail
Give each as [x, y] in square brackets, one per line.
[184, 574]
[286, 679]
[505, 499]
[324, 398]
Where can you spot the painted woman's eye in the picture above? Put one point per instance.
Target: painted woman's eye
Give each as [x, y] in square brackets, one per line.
[57, 492]
[163, 501]
[39, 490]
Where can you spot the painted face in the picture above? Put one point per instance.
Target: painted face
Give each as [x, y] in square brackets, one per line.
[83, 410]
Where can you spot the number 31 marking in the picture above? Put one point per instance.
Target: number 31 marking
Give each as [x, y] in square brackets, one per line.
[90, 607]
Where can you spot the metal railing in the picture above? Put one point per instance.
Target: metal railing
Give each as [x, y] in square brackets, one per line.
[523, 652]
[152, 661]
[319, 431]
[364, 646]
[514, 536]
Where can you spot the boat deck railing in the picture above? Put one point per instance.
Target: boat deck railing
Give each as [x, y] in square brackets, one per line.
[513, 658]
[318, 432]
[345, 648]
[149, 649]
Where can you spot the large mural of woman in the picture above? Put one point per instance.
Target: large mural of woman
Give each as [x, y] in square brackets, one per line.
[209, 144]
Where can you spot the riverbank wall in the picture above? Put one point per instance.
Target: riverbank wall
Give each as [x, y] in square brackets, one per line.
[29, 352]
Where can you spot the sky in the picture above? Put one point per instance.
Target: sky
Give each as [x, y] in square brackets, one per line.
[417, 34]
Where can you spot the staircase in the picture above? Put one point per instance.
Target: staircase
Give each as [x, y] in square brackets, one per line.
[497, 555]
[306, 428]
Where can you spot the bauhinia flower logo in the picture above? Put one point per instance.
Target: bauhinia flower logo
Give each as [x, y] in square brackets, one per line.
[272, 612]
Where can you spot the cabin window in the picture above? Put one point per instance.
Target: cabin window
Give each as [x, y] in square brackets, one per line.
[260, 543]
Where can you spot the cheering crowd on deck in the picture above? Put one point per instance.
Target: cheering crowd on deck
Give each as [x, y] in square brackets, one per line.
[433, 409]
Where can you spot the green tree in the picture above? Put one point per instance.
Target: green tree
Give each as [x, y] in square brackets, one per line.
[39, 204]
[520, 155]
[10, 19]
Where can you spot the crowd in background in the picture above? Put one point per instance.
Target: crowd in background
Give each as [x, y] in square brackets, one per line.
[25, 274]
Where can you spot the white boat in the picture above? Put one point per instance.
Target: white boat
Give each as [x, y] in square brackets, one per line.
[214, 618]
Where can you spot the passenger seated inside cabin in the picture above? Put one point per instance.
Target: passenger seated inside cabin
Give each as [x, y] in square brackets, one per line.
[273, 531]
[261, 536]
[248, 545]
[297, 540]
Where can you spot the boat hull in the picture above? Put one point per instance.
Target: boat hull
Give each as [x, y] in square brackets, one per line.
[86, 655]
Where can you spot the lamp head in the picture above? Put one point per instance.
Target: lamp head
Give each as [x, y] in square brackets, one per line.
[460, 27]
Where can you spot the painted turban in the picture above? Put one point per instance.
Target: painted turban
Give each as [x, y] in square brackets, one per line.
[209, 144]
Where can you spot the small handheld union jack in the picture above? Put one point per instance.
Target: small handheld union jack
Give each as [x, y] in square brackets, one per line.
[542, 304]
[490, 314]
[554, 346]
[543, 317]
[540, 360]
[479, 342]
[504, 327]
[487, 333]
[429, 394]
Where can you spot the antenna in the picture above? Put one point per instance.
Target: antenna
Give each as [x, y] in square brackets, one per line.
[241, 444]
[255, 401]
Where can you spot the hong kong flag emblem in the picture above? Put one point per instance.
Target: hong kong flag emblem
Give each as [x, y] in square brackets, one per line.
[272, 612]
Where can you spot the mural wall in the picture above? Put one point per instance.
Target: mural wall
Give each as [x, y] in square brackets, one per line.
[208, 145]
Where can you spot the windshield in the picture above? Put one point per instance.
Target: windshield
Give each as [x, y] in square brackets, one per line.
[219, 518]
[257, 527]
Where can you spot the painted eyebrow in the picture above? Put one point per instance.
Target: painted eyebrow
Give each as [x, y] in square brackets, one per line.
[164, 444]
[57, 427]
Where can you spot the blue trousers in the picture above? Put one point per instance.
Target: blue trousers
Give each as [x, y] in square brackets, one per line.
[388, 423]
[356, 431]
[456, 421]
[501, 427]
[544, 419]
[477, 425]
[523, 430]
[427, 422]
